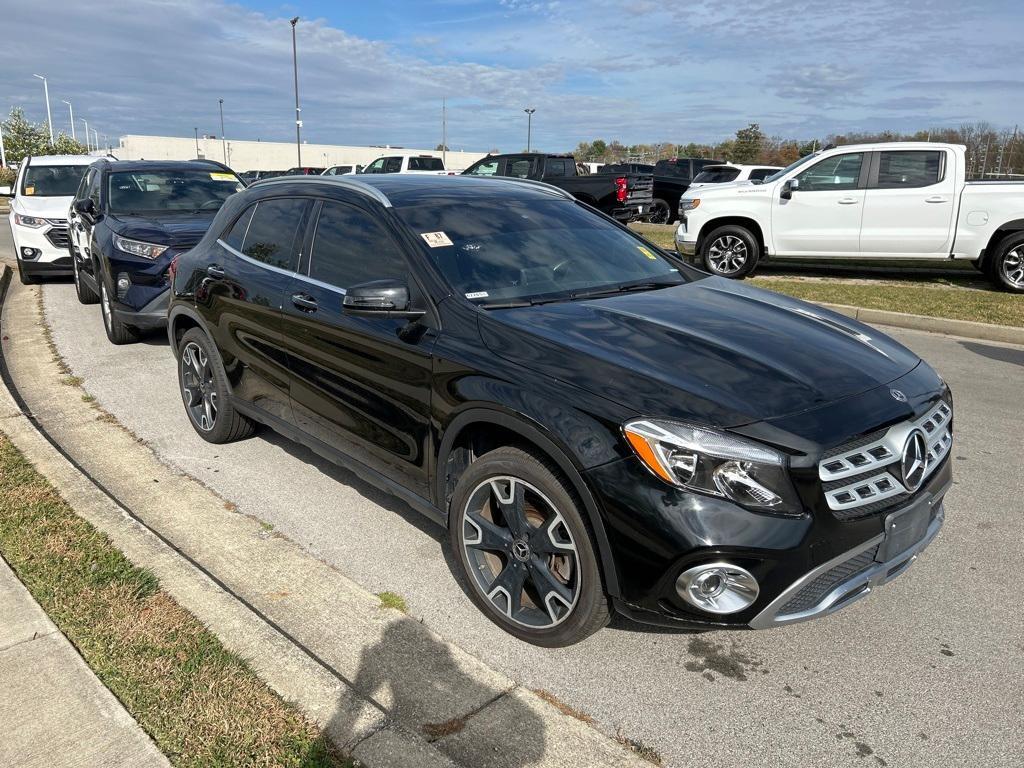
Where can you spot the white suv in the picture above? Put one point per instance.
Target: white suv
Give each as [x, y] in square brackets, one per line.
[43, 192]
[729, 172]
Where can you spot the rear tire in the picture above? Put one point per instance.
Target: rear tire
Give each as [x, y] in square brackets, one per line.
[205, 393]
[86, 295]
[117, 332]
[731, 251]
[1006, 264]
[661, 212]
[524, 548]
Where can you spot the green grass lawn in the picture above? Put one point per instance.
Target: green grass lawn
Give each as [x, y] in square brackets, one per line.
[955, 290]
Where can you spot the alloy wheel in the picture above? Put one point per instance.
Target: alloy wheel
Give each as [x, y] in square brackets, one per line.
[105, 305]
[727, 255]
[74, 269]
[1013, 267]
[197, 386]
[520, 552]
[659, 213]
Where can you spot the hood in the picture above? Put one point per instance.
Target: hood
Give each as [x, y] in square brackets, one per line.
[714, 351]
[177, 230]
[44, 207]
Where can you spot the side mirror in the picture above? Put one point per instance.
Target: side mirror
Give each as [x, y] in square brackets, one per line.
[85, 207]
[380, 298]
[788, 188]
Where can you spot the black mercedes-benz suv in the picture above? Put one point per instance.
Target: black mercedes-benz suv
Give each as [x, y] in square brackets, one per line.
[599, 425]
[128, 221]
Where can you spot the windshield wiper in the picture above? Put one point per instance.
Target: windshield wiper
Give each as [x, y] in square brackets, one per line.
[638, 285]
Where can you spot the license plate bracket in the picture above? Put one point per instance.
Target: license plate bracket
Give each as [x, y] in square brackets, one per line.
[904, 529]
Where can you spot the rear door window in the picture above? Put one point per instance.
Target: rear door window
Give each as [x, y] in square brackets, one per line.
[520, 167]
[350, 247]
[392, 165]
[426, 164]
[908, 169]
[270, 237]
[557, 166]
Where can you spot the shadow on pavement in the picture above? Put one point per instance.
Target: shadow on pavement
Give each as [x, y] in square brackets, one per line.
[1001, 354]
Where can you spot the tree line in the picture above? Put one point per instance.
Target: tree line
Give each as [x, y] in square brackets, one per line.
[22, 138]
[991, 152]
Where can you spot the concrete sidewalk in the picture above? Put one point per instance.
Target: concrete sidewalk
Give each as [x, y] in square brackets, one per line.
[54, 711]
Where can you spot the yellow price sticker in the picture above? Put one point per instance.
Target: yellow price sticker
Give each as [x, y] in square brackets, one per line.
[222, 176]
[30, 190]
[647, 253]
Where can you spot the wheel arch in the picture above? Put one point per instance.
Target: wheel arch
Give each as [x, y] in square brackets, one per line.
[1009, 228]
[180, 320]
[738, 221]
[517, 430]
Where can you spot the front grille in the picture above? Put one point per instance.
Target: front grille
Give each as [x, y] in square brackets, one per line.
[864, 475]
[815, 591]
[58, 222]
[58, 236]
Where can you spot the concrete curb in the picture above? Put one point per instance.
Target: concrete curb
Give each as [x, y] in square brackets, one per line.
[1007, 334]
[381, 685]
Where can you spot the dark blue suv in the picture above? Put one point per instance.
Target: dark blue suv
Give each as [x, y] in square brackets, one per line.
[128, 221]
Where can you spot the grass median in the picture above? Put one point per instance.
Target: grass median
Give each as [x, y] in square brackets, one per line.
[201, 704]
[955, 290]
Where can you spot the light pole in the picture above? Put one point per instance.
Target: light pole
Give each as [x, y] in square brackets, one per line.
[223, 141]
[3, 154]
[197, 142]
[46, 92]
[298, 110]
[72, 111]
[444, 131]
[529, 125]
[96, 139]
[87, 147]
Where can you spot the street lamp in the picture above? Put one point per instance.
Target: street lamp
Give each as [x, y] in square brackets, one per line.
[223, 141]
[46, 92]
[197, 142]
[529, 125]
[72, 111]
[96, 138]
[298, 110]
[87, 147]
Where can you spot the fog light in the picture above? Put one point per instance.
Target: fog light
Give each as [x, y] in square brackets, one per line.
[30, 253]
[718, 588]
[123, 284]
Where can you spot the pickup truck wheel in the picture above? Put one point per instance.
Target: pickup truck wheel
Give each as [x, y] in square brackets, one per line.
[205, 393]
[661, 212]
[1006, 265]
[524, 550]
[730, 251]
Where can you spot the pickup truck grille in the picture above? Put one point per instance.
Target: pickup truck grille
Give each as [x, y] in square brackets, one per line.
[864, 476]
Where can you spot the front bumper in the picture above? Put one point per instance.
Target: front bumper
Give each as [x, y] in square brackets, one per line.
[685, 246]
[49, 245]
[152, 315]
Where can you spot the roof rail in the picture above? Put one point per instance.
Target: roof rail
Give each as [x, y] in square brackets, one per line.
[358, 186]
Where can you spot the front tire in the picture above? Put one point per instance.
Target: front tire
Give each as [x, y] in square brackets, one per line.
[86, 295]
[205, 393]
[523, 546]
[117, 332]
[1006, 264]
[730, 251]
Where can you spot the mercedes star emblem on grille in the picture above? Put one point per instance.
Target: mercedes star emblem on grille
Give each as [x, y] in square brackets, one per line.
[912, 464]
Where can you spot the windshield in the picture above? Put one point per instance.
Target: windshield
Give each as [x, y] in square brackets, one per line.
[186, 189]
[52, 180]
[716, 175]
[519, 251]
[779, 174]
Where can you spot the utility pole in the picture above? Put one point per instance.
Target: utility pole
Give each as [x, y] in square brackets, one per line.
[197, 142]
[298, 110]
[223, 141]
[87, 147]
[444, 131]
[529, 125]
[72, 111]
[3, 154]
[96, 139]
[46, 92]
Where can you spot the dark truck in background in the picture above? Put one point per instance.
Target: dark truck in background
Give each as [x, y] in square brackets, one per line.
[624, 196]
[671, 179]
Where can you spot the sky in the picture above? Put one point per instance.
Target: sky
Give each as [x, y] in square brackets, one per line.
[640, 71]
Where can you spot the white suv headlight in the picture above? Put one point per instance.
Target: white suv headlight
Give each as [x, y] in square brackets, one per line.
[32, 222]
[138, 248]
[715, 463]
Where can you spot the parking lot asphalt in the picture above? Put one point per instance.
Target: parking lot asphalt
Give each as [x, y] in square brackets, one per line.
[928, 671]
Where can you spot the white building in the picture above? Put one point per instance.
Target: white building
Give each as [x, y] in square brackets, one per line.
[269, 155]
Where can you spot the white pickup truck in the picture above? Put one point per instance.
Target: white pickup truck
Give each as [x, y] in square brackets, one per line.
[406, 163]
[900, 200]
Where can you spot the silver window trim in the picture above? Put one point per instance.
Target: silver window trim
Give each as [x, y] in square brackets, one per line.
[255, 262]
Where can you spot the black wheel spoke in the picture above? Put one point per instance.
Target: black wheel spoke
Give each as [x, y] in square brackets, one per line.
[510, 496]
[551, 538]
[483, 534]
[506, 590]
[554, 595]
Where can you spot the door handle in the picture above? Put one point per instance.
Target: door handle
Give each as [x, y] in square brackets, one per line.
[848, 201]
[304, 302]
[216, 271]
[936, 199]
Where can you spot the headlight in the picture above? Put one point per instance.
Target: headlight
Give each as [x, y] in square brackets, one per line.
[138, 248]
[715, 463]
[689, 204]
[33, 222]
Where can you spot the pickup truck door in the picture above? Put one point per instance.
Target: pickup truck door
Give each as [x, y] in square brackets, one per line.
[823, 216]
[910, 203]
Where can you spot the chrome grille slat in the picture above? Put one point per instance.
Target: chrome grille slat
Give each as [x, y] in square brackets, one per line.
[861, 472]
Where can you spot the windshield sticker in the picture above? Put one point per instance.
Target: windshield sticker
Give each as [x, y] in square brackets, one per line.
[436, 239]
[647, 253]
[30, 190]
[222, 176]
[477, 295]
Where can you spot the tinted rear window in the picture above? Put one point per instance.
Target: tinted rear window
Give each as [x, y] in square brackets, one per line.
[271, 234]
[716, 175]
